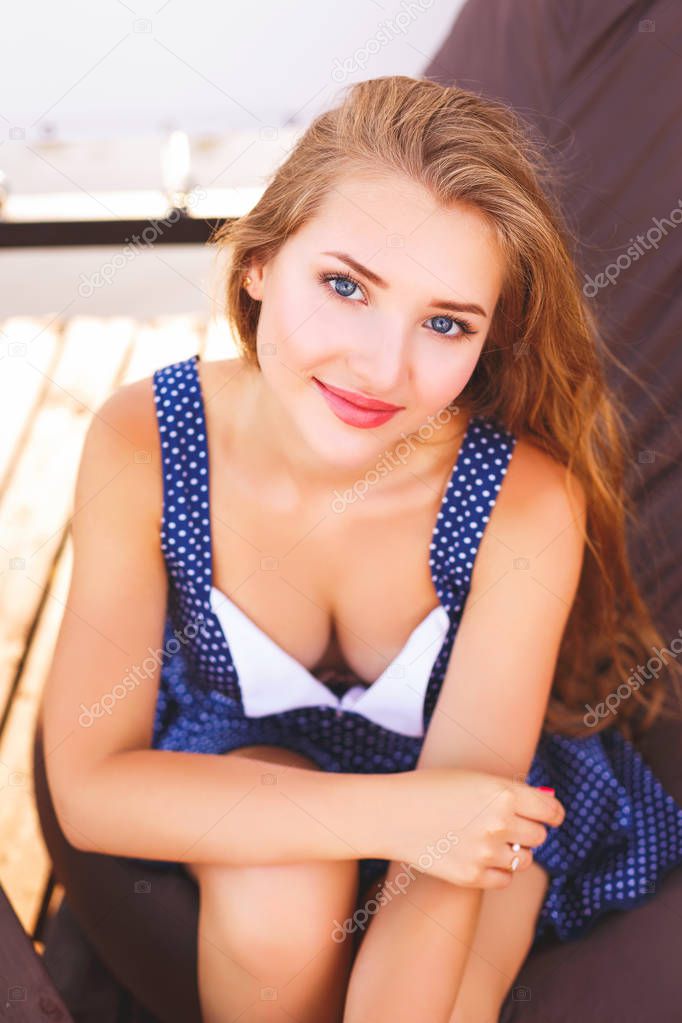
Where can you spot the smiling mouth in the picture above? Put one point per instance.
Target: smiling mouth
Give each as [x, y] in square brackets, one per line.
[351, 414]
[353, 398]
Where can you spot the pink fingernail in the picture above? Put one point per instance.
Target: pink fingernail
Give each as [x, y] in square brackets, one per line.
[546, 788]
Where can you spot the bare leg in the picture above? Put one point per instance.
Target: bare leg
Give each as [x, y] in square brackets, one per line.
[265, 945]
[504, 934]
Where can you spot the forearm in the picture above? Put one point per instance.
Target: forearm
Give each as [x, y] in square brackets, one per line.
[412, 959]
[190, 807]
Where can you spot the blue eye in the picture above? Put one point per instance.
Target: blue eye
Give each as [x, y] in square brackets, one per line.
[345, 280]
[350, 283]
[464, 326]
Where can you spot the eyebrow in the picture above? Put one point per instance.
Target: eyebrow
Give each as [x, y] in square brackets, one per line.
[456, 307]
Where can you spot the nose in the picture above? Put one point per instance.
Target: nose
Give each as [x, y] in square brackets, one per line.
[379, 365]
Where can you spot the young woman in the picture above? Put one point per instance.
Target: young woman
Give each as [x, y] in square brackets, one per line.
[384, 553]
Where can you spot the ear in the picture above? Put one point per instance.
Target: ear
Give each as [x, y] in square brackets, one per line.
[255, 287]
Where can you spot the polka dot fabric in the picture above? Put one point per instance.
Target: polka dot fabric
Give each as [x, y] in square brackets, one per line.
[621, 835]
[621, 832]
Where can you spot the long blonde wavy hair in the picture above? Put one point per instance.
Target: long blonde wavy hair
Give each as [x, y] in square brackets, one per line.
[541, 370]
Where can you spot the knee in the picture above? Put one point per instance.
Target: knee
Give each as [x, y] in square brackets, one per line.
[276, 914]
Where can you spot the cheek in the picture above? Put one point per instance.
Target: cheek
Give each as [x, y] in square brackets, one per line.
[302, 326]
[444, 375]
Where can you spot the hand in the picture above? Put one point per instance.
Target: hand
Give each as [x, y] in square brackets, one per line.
[459, 825]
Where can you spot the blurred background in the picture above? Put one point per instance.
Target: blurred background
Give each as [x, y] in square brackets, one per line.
[109, 109]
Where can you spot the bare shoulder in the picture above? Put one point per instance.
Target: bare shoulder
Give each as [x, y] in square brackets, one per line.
[121, 456]
[539, 517]
[123, 444]
[534, 476]
[130, 411]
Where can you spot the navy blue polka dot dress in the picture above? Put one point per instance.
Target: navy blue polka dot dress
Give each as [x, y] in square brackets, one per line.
[622, 831]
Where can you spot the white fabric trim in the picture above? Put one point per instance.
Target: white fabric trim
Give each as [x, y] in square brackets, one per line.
[395, 700]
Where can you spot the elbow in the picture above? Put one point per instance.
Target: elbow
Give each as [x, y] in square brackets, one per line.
[78, 833]
[68, 814]
[79, 813]
[68, 819]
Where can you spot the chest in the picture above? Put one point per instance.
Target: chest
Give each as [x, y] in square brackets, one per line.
[338, 592]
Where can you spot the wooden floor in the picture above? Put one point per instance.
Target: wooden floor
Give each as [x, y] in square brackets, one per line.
[53, 375]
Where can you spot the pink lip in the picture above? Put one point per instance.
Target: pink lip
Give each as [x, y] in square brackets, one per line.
[359, 400]
[352, 414]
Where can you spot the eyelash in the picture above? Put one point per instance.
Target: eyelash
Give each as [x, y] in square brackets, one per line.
[464, 325]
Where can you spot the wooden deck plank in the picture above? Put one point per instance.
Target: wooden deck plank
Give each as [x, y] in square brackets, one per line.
[36, 505]
[52, 900]
[24, 861]
[29, 349]
[162, 341]
[35, 509]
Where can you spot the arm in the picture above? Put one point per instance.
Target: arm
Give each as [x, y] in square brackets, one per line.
[112, 793]
[205, 808]
[488, 718]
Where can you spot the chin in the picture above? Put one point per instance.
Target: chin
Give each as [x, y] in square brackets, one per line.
[338, 445]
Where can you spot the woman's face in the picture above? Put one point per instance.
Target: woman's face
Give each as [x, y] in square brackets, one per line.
[397, 338]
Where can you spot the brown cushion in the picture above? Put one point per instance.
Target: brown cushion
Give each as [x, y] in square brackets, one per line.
[143, 923]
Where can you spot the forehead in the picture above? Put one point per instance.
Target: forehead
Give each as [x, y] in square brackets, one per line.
[398, 229]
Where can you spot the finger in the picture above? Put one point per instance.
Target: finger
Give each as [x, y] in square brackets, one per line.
[538, 806]
[506, 855]
[525, 832]
[494, 878]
